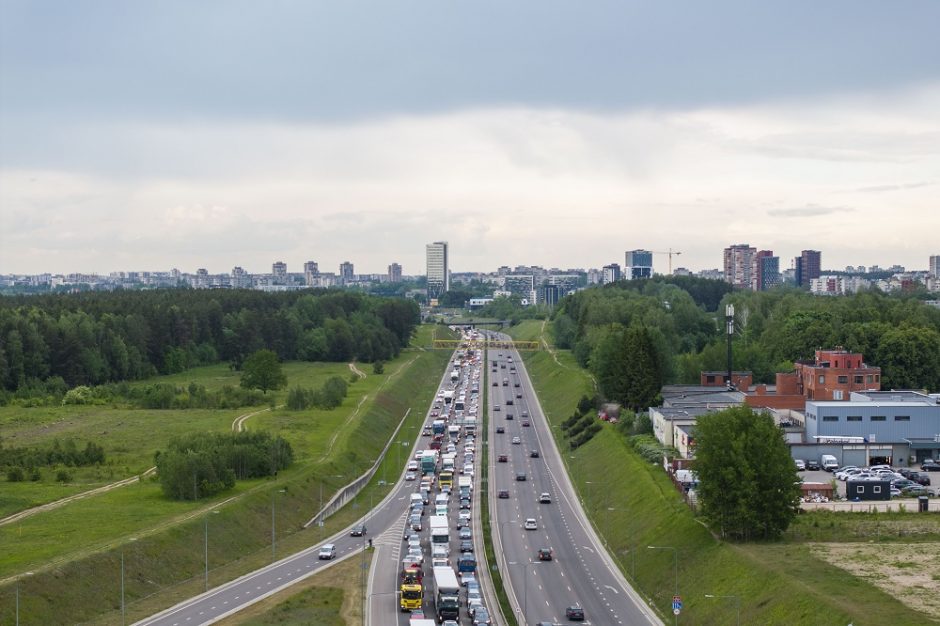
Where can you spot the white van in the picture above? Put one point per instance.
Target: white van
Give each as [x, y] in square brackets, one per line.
[829, 463]
[327, 551]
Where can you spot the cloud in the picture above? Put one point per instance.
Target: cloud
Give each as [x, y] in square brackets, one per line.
[810, 210]
[898, 187]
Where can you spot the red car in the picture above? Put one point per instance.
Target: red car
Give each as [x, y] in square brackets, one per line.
[502, 458]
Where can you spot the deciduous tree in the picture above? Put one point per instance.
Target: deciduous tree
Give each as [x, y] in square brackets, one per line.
[263, 371]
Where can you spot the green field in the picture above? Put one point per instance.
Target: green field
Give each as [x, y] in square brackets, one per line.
[632, 504]
[75, 551]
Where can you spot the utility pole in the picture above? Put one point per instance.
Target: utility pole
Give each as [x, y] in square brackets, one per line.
[729, 323]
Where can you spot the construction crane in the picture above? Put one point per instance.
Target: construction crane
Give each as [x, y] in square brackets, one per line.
[671, 252]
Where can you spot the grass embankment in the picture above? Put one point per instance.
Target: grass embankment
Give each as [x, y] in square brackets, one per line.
[632, 504]
[165, 563]
[331, 598]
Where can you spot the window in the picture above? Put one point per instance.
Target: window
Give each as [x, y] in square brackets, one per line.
[843, 380]
[877, 378]
[709, 379]
[902, 418]
[876, 488]
[822, 379]
[859, 379]
[878, 418]
[837, 394]
[853, 418]
[830, 418]
[871, 378]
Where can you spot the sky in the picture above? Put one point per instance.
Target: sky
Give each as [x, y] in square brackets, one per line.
[179, 134]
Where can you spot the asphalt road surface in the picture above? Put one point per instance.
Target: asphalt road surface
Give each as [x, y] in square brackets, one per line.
[580, 571]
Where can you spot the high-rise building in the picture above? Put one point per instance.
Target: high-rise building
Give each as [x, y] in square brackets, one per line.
[548, 294]
[240, 278]
[347, 273]
[739, 263]
[638, 264]
[807, 266]
[279, 271]
[611, 273]
[934, 267]
[394, 273]
[765, 273]
[311, 273]
[438, 269]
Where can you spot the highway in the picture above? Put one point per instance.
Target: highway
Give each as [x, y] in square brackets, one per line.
[384, 526]
[580, 572]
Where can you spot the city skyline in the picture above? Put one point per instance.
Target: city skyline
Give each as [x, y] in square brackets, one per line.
[164, 136]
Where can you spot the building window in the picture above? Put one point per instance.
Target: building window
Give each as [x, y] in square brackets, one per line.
[902, 418]
[709, 379]
[822, 379]
[877, 378]
[853, 418]
[830, 418]
[859, 379]
[836, 394]
[843, 380]
[876, 488]
[871, 378]
[878, 418]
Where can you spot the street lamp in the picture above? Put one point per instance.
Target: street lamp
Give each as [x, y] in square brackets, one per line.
[273, 526]
[123, 611]
[207, 547]
[737, 604]
[675, 554]
[525, 588]
[18, 598]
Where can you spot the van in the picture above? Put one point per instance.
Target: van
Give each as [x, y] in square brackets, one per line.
[327, 551]
[828, 462]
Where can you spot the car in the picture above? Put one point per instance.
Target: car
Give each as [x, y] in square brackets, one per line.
[465, 534]
[509, 416]
[530, 524]
[495, 383]
[575, 613]
[358, 530]
[464, 515]
[534, 454]
[502, 458]
[481, 617]
[545, 498]
[516, 441]
[496, 408]
[466, 546]
[500, 430]
[525, 423]
[916, 490]
[410, 476]
[508, 401]
[416, 615]
[467, 577]
[518, 396]
[800, 465]
[931, 466]
[449, 622]
[545, 554]
[465, 503]
[327, 552]
[921, 479]
[516, 384]
[415, 523]
[462, 523]
[812, 465]
[503, 493]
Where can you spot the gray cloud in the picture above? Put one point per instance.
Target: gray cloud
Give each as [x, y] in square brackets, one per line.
[898, 187]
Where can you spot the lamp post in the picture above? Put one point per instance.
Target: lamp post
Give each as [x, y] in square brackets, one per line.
[675, 554]
[18, 598]
[207, 546]
[737, 604]
[123, 606]
[525, 588]
[273, 525]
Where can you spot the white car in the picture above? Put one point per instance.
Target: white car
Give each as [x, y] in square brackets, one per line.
[327, 551]
[516, 441]
[410, 476]
[800, 465]
[530, 524]
[545, 498]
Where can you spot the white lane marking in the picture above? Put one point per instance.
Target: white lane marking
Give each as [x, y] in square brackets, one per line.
[614, 589]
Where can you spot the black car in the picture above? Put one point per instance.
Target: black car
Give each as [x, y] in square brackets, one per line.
[503, 493]
[509, 401]
[509, 416]
[358, 530]
[933, 466]
[520, 476]
[575, 613]
[466, 546]
[812, 465]
[545, 554]
[920, 479]
[500, 430]
[534, 454]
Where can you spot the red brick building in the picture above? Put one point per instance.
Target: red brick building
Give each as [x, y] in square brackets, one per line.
[834, 375]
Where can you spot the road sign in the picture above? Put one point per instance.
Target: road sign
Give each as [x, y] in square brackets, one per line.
[676, 605]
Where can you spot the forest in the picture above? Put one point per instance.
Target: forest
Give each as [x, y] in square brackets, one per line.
[51, 343]
[676, 330]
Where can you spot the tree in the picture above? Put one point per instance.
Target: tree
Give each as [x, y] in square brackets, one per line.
[262, 371]
[748, 483]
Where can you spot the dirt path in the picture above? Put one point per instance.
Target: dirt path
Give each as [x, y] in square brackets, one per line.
[78, 496]
[355, 370]
[554, 354]
[238, 424]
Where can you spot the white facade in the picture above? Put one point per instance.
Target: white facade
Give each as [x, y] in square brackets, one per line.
[438, 269]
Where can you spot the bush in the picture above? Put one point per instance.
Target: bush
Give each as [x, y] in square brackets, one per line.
[15, 474]
[378, 367]
[63, 476]
[586, 435]
[35, 474]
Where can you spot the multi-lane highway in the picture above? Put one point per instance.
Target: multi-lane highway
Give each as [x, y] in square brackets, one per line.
[580, 572]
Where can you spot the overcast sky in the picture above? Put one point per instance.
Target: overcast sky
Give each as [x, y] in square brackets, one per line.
[153, 135]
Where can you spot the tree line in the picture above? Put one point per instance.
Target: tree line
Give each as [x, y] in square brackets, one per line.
[204, 464]
[63, 340]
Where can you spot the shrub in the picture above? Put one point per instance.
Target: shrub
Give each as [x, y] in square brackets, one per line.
[15, 474]
[378, 367]
[63, 476]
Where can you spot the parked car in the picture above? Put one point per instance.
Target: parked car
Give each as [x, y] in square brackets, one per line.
[800, 465]
[921, 479]
[916, 490]
[812, 465]
[931, 466]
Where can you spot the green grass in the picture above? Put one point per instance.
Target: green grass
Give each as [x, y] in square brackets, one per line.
[779, 583]
[165, 563]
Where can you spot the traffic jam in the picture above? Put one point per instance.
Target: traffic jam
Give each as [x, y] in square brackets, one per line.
[437, 577]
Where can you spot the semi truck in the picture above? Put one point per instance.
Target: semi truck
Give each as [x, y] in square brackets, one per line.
[440, 531]
[446, 594]
[448, 397]
[428, 461]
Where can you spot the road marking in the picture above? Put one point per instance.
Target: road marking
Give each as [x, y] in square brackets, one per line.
[614, 589]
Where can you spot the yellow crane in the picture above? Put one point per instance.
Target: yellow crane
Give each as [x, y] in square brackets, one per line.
[670, 253]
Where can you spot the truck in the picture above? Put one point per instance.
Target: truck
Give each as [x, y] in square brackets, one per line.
[455, 375]
[446, 478]
[409, 596]
[448, 396]
[470, 425]
[829, 462]
[438, 426]
[446, 594]
[449, 461]
[453, 431]
[428, 461]
[440, 531]
[464, 486]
